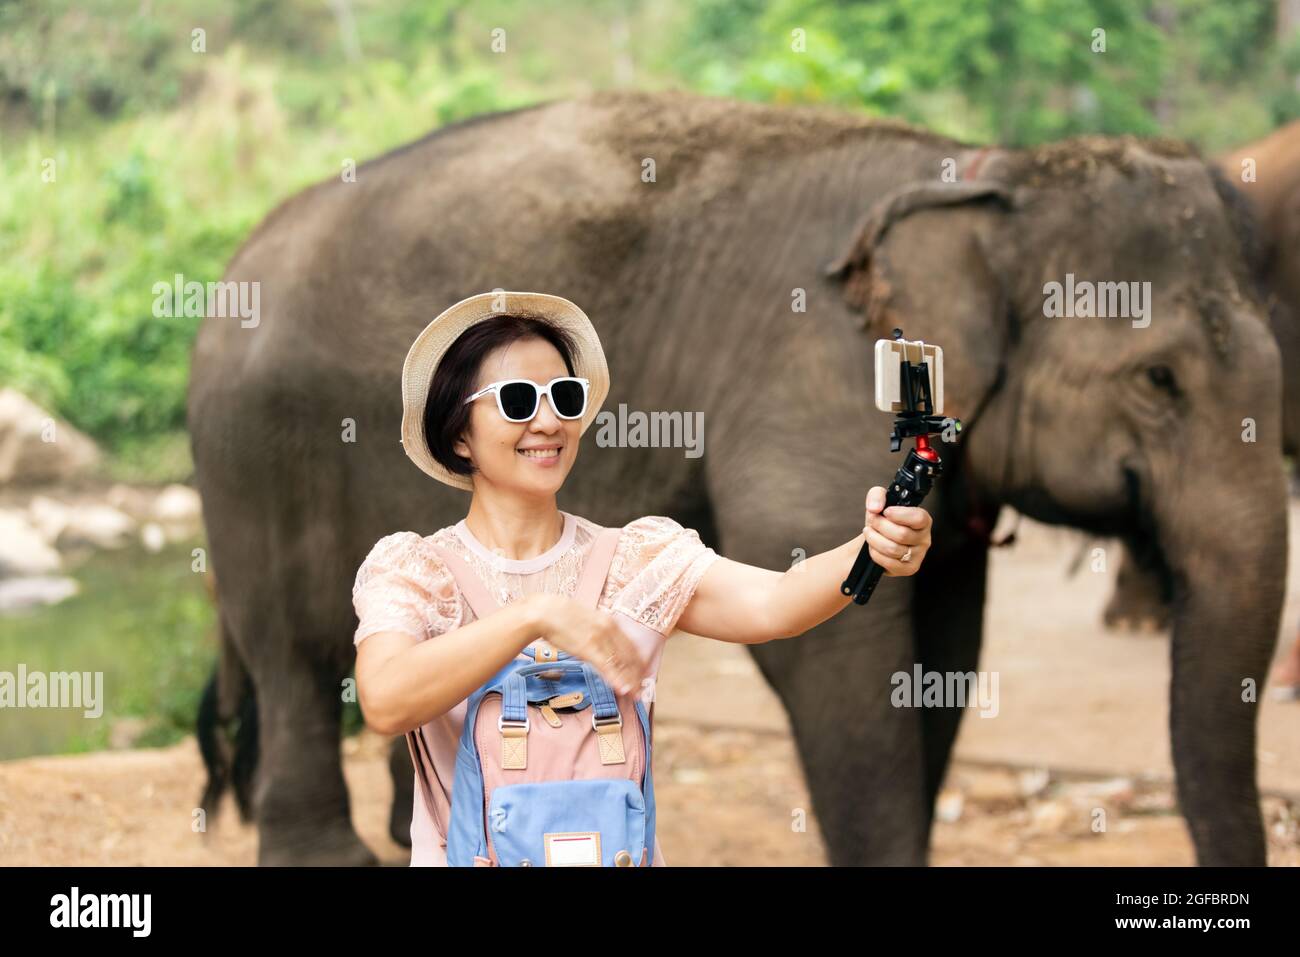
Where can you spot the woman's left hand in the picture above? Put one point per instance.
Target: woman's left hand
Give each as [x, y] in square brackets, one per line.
[900, 537]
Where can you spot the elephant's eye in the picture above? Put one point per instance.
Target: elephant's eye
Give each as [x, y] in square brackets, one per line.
[1162, 377]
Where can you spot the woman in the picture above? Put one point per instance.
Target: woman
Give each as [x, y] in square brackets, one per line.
[497, 392]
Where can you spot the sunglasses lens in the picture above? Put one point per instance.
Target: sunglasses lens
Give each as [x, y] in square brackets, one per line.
[519, 399]
[569, 398]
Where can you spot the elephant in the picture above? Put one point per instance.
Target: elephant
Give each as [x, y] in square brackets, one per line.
[1261, 180]
[1270, 194]
[740, 260]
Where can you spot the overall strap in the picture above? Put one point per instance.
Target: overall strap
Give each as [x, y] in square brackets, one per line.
[423, 762]
[471, 586]
[483, 604]
[596, 568]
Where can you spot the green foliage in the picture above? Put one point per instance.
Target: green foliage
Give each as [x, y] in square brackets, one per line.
[128, 209]
[1027, 69]
[131, 196]
[1011, 71]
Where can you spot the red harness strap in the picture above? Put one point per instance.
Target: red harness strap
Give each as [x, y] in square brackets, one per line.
[973, 167]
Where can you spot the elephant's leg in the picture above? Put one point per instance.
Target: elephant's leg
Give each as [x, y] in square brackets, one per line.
[948, 608]
[303, 813]
[297, 656]
[862, 756]
[403, 774]
[1139, 602]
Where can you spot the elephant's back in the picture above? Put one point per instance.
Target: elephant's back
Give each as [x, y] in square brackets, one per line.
[552, 197]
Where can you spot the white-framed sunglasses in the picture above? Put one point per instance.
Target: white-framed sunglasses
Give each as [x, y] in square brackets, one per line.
[519, 399]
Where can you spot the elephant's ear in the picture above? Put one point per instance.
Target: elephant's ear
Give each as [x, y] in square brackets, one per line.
[919, 260]
[903, 202]
[1257, 247]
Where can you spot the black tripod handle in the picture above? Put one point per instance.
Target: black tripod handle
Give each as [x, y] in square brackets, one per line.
[914, 478]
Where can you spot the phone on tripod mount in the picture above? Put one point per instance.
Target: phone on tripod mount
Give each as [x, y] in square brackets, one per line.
[900, 384]
[909, 383]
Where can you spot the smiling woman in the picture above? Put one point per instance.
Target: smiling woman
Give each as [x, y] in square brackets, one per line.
[477, 364]
[525, 625]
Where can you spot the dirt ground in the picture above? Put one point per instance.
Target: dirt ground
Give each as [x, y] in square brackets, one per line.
[1074, 769]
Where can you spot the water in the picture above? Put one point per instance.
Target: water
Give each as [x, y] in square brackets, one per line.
[145, 621]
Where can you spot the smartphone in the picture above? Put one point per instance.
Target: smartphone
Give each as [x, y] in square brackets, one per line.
[890, 354]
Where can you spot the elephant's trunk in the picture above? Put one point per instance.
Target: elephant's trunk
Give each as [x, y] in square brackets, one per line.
[1228, 566]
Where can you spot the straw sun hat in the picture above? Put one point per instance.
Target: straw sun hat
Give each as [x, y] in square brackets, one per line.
[437, 337]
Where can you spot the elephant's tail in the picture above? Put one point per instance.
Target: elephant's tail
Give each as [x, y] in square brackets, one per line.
[226, 729]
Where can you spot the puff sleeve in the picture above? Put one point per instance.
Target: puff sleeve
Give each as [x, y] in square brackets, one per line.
[404, 586]
[656, 568]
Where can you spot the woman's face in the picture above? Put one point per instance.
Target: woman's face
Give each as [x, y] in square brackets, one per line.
[496, 445]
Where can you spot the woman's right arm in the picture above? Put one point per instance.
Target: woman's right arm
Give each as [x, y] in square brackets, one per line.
[403, 682]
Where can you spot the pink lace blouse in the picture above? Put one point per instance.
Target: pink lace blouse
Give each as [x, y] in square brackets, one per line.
[404, 586]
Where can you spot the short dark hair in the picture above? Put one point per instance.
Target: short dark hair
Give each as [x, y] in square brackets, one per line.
[446, 416]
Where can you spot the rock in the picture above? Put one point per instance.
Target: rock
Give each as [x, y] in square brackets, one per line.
[36, 446]
[1034, 782]
[949, 806]
[1116, 791]
[23, 551]
[49, 517]
[152, 536]
[178, 504]
[17, 594]
[133, 501]
[99, 526]
[136, 501]
[178, 511]
[1052, 817]
[1154, 802]
[993, 787]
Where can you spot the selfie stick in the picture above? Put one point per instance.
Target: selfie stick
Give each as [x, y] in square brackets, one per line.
[919, 470]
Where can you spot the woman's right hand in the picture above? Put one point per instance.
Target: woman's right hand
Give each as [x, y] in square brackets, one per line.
[593, 636]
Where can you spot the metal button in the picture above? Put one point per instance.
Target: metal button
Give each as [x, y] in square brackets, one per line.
[525, 863]
[622, 859]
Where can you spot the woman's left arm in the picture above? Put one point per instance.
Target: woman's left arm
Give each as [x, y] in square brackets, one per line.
[746, 604]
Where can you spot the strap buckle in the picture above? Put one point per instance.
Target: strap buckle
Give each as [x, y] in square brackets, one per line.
[502, 723]
[514, 743]
[609, 738]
